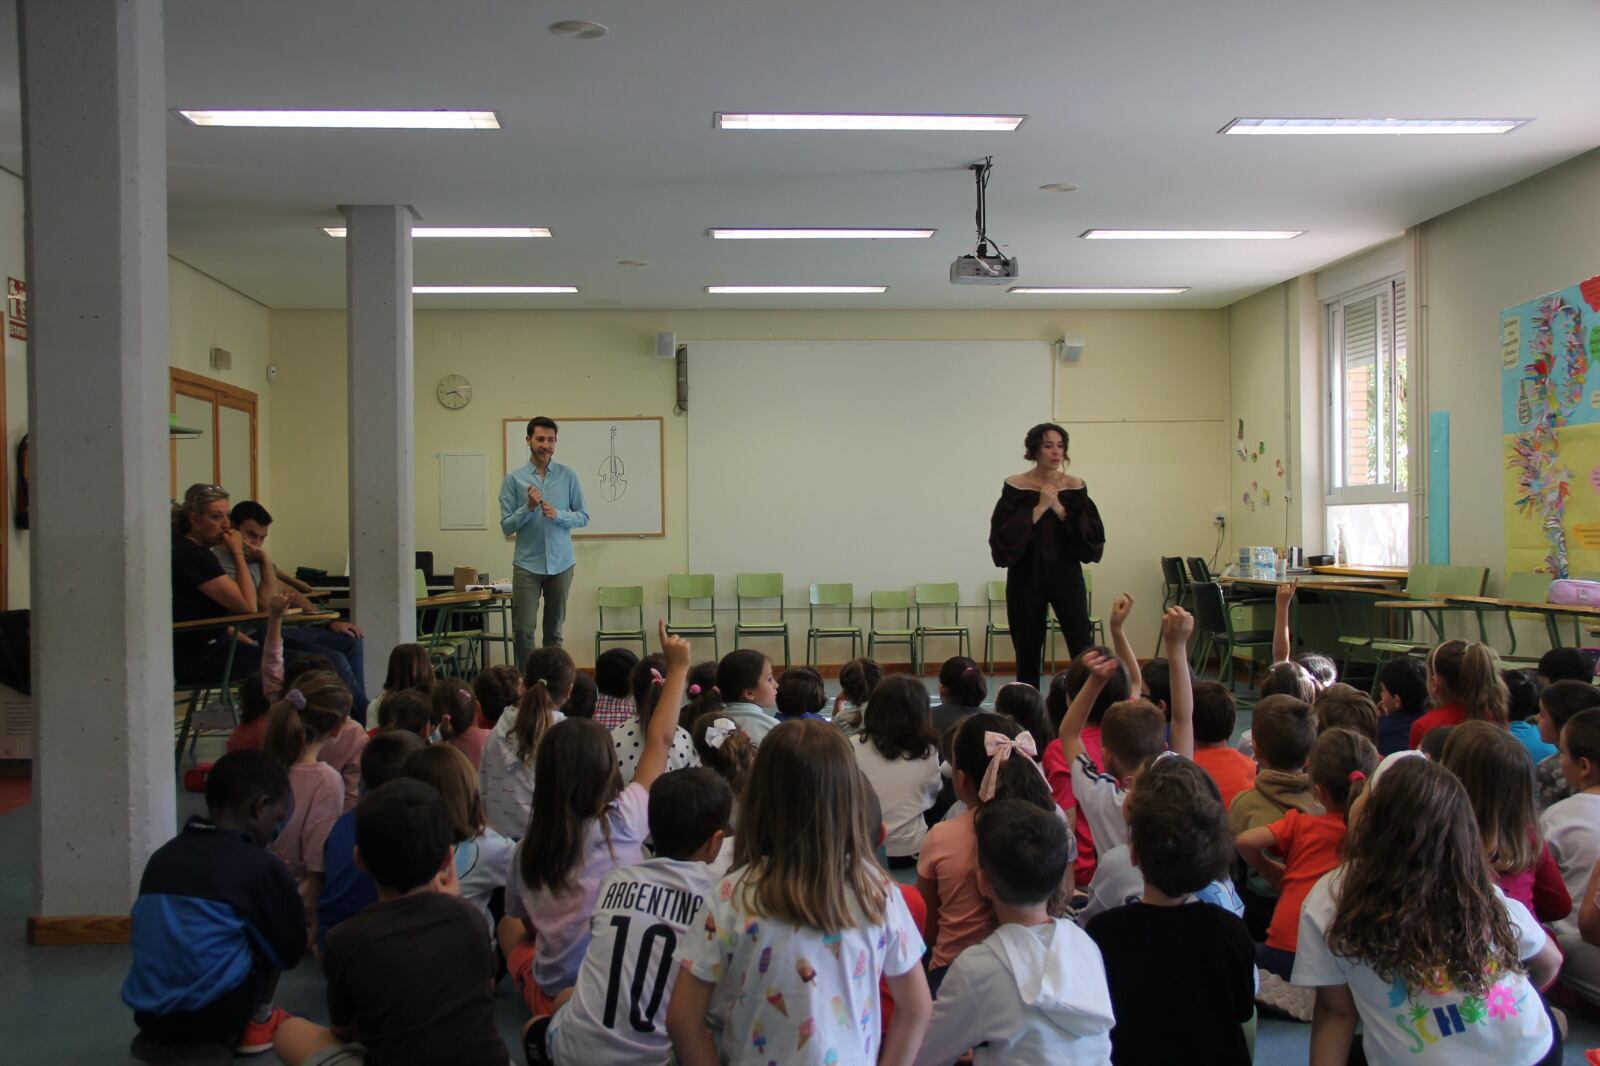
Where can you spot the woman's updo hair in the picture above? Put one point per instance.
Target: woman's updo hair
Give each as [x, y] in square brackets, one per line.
[196, 498]
[1035, 437]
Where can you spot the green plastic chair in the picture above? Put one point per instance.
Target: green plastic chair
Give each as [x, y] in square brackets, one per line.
[621, 598]
[996, 594]
[453, 652]
[1528, 587]
[1213, 623]
[756, 591]
[831, 597]
[894, 601]
[1356, 645]
[200, 691]
[1452, 581]
[1097, 628]
[690, 590]
[937, 596]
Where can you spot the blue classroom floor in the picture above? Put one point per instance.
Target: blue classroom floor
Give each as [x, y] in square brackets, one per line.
[60, 1005]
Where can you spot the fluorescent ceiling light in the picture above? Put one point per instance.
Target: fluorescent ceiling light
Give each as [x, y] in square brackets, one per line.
[1190, 234]
[459, 231]
[368, 120]
[739, 120]
[820, 234]
[1356, 126]
[436, 290]
[1066, 290]
[753, 290]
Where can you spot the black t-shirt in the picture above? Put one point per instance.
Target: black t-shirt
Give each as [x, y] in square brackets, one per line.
[1182, 983]
[193, 566]
[412, 977]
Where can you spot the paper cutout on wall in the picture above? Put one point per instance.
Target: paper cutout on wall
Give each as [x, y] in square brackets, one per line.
[1241, 430]
[1279, 464]
[1266, 497]
[1248, 502]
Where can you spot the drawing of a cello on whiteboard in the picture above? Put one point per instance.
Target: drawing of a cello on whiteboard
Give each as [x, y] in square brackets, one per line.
[613, 480]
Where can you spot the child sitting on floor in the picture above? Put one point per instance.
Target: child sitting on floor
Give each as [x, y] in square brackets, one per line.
[749, 692]
[801, 694]
[1134, 733]
[897, 750]
[1035, 989]
[1342, 706]
[796, 937]
[1285, 731]
[483, 856]
[857, 679]
[298, 727]
[585, 823]
[616, 1012]
[1572, 828]
[217, 918]
[1464, 681]
[1558, 703]
[497, 689]
[505, 773]
[410, 978]
[629, 737]
[962, 690]
[1412, 939]
[410, 668]
[346, 887]
[613, 704]
[1181, 977]
[1402, 699]
[1340, 762]
[1215, 713]
[1522, 711]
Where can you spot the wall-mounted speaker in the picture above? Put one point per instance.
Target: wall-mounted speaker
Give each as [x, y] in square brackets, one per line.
[666, 345]
[682, 356]
[1069, 349]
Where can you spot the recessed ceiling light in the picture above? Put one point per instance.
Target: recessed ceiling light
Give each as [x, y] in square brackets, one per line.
[632, 263]
[439, 290]
[1190, 234]
[578, 29]
[722, 234]
[459, 231]
[1358, 126]
[1103, 290]
[754, 290]
[368, 120]
[741, 120]
[1059, 186]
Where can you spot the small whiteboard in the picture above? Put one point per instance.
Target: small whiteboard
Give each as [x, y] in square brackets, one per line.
[619, 464]
[461, 487]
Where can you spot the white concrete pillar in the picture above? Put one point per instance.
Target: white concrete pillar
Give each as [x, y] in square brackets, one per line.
[382, 463]
[94, 130]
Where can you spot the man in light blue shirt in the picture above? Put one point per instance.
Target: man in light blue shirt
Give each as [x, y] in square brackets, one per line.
[541, 503]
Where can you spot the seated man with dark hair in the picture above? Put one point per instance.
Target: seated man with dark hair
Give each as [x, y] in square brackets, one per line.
[217, 918]
[410, 978]
[340, 641]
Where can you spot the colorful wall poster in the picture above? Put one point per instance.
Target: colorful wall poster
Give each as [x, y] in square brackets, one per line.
[1550, 418]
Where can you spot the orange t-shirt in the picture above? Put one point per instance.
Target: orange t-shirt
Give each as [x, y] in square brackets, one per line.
[1233, 771]
[1309, 844]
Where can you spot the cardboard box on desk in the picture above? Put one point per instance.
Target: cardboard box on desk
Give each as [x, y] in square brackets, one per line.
[466, 575]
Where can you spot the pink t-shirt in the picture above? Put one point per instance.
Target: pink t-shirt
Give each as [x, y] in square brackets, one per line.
[561, 922]
[471, 744]
[343, 753]
[949, 859]
[318, 802]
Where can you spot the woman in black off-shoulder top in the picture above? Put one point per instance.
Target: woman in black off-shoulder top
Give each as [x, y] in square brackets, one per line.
[1044, 528]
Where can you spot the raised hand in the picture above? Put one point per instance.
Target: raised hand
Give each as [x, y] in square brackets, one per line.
[1121, 607]
[279, 603]
[1285, 593]
[1176, 625]
[674, 649]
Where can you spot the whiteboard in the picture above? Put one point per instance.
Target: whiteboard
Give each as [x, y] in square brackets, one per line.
[872, 462]
[462, 479]
[629, 505]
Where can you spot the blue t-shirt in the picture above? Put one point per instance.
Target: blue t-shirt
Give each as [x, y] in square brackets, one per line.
[346, 887]
[1394, 732]
[1528, 734]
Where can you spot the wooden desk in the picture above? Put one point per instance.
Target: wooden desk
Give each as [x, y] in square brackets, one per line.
[1313, 583]
[1412, 605]
[260, 616]
[1551, 612]
[454, 599]
[1386, 573]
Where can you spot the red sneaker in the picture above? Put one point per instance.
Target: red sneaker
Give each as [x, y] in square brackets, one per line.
[257, 1036]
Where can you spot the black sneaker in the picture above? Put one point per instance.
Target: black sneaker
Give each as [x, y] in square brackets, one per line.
[534, 1043]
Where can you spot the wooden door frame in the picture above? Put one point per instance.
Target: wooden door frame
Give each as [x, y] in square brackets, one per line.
[219, 394]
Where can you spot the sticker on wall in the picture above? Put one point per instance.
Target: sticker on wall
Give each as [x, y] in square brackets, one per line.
[1262, 447]
[1266, 497]
[1248, 502]
[1238, 449]
[1255, 456]
[1279, 464]
[1241, 430]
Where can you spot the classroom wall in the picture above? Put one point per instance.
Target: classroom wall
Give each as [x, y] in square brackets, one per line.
[203, 313]
[1259, 351]
[1153, 384]
[1531, 238]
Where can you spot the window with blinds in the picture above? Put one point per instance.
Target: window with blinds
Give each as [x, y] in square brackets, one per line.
[1368, 449]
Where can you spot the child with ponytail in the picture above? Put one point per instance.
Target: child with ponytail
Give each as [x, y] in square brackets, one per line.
[1464, 681]
[1411, 938]
[455, 710]
[1340, 763]
[857, 680]
[991, 757]
[505, 772]
[728, 750]
[646, 683]
[962, 690]
[299, 726]
[703, 697]
[585, 822]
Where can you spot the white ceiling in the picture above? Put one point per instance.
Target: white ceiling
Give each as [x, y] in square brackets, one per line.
[610, 142]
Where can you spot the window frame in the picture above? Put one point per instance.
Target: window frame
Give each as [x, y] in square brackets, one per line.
[1389, 404]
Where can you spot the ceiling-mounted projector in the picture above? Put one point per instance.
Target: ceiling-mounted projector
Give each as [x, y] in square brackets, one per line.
[987, 265]
[984, 270]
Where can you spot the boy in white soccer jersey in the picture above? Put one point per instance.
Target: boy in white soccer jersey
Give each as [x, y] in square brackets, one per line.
[617, 1011]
